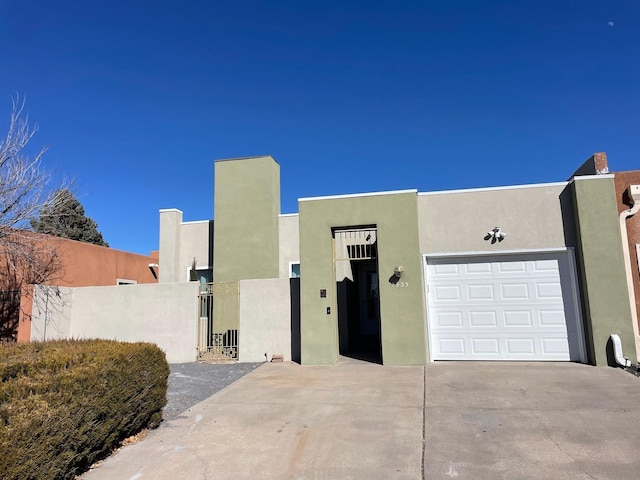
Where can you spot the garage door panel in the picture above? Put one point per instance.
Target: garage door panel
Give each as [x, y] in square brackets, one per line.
[549, 290]
[555, 346]
[514, 291]
[444, 320]
[451, 347]
[478, 268]
[520, 346]
[550, 318]
[447, 293]
[485, 346]
[480, 292]
[466, 291]
[517, 318]
[501, 347]
[523, 317]
[551, 265]
[511, 267]
[501, 308]
[483, 319]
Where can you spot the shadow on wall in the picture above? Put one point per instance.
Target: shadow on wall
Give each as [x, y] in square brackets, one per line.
[294, 288]
[9, 315]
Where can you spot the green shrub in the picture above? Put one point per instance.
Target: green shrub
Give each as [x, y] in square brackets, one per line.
[66, 404]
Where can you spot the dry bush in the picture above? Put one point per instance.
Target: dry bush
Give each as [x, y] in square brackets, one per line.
[65, 404]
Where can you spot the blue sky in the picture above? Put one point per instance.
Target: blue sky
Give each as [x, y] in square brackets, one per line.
[136, 99]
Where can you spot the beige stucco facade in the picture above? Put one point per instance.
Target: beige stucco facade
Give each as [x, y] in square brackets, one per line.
[253, 244]
[288, 243]
[182, 243]
[533, 217]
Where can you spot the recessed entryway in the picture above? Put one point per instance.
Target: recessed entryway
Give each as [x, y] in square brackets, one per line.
[358, 294]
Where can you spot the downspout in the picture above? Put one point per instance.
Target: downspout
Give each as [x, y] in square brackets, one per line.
[634, 199]
[620, 359]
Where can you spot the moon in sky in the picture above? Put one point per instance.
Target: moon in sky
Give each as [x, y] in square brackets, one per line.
[610, 24]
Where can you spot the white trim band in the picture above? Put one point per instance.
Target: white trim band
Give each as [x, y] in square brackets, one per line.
[353, 195]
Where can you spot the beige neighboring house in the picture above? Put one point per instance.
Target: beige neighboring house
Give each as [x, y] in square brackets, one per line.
[513, 273]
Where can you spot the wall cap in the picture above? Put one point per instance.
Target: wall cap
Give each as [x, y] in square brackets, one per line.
[353, 195]
[488, 189]
[592, 177]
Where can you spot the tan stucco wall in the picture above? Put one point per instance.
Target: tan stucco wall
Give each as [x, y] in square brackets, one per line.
[164, 314]
[246, 209]
[601, 262]
[180, 243]
[265, 320]
[401, 309]
[194, 243]
[533, 217]
[169, 245]
[289, 243]
[50, 313]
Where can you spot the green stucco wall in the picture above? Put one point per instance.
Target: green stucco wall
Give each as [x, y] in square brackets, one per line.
[246, 208]
[401, 309]
[600, 258]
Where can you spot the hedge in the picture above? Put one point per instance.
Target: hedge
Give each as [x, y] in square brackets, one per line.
[65, 404]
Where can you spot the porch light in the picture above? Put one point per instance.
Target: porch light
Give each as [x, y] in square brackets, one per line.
[495, 235]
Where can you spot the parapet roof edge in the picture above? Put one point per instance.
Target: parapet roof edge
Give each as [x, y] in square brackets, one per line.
[244, 158]
[353, 195]
[488, 189]
[195, 221]
[288, 214]
[591, 177]
[162, 210]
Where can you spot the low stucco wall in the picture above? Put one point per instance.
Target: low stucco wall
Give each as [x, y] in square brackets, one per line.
[265, 319]
[196, 242]
[164, 314]
[51, 313]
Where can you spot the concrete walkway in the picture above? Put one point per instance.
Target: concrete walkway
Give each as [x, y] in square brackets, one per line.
[284, 421]
[479, 421]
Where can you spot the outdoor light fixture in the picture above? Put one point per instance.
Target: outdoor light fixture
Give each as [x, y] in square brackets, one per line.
[398, 271]
[495, 235]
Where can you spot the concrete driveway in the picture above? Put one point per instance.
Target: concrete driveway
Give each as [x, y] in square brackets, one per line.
[469, 421]
[531, 421]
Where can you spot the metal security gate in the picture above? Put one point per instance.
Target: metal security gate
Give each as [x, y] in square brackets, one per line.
[218, 328]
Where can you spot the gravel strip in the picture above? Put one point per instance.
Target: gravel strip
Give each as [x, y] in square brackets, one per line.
[190, 383]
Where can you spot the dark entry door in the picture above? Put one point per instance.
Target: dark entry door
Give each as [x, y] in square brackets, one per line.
[359, 313]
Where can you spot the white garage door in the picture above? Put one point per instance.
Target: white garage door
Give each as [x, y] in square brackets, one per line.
[507, 307]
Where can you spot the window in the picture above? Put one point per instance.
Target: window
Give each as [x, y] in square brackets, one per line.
[202, 275]
[294, 270]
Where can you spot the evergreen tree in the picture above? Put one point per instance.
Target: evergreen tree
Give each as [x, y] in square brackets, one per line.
[66, 219]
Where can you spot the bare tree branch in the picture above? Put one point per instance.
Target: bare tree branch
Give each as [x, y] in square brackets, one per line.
[25, 258]
[24, 183]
